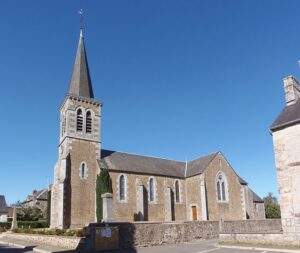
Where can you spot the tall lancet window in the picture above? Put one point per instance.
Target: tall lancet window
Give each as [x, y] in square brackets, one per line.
[222, 188]
[79, 120]
[151, 189]
[122, 187]
[88, 125]
[177, 191]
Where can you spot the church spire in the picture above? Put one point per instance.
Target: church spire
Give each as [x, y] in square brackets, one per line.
[80, 84]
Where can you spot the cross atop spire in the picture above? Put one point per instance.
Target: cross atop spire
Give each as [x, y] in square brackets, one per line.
[80, 84]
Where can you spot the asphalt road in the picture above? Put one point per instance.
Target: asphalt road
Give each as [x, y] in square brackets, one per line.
[7, 249]
[203, 247]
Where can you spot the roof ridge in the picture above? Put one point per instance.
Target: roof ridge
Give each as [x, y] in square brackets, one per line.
[210, 154]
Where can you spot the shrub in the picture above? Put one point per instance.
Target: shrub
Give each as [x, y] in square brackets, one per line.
[6, 225]
[58, 232]
[33, 224]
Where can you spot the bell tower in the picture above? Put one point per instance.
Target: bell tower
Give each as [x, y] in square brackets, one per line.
[73, 198]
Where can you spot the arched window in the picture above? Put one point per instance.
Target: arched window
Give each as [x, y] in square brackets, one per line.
[82, 171]
[222, 190]
[122, 187]
[151, 189]
[177, 191]
[79, 120]
[88, 125]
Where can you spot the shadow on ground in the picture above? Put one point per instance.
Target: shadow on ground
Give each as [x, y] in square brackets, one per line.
[7, 249]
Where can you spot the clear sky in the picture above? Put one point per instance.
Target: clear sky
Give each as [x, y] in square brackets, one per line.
[178, 79]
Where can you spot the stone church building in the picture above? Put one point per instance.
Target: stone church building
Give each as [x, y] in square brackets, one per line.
[144, 188]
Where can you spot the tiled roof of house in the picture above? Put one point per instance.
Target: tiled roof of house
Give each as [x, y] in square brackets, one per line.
[3, 205]
[290, 115]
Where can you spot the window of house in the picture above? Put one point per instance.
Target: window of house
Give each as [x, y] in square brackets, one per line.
[177, 191]
[122, 187]
[88, 124]
[79, 120]
[222, 190]
[151, 189]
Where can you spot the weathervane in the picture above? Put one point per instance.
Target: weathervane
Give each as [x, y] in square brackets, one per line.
[80, 12]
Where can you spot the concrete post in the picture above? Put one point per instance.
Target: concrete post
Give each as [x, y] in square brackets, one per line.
[14, 224]
[168, 203]
[107, 202]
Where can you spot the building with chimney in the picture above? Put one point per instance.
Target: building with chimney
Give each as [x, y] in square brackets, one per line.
[144, 188]
[285, 131]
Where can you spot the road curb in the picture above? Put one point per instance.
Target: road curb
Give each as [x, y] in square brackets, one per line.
[259, 248]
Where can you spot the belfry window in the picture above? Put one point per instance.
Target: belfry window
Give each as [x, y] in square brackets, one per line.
[122, 187]
[88, 125]
[79, 120]
[177, 191]
[222, 190]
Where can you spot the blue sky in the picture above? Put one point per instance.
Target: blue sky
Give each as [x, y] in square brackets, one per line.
[178, 79]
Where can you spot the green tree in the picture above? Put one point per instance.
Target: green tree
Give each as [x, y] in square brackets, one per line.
[103, 185]
[272, 207]
[29, 214]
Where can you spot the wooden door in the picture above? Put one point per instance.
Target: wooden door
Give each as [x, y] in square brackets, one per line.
[194, 212]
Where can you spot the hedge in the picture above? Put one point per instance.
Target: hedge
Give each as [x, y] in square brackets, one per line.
[26, 224]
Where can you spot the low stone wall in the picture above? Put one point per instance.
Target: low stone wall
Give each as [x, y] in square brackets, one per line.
[149, 234]
[251, 226]
[260, 239]
[58, 241]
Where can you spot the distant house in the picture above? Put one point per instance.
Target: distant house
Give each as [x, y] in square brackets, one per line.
[3, 209]
[37, 199]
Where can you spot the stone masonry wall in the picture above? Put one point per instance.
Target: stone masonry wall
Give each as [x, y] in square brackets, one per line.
[286, 149]
[251, 226]
[233, 208]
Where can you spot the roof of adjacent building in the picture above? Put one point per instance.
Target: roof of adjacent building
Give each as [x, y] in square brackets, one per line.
[80, 84]
[125, 162]
[3, 205]
[38, 195]
[290, 115]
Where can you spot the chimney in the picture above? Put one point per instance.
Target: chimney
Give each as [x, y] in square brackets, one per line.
[291, 90]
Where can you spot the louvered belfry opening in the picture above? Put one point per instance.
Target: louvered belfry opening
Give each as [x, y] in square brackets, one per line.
[88, 122]
[79, 121]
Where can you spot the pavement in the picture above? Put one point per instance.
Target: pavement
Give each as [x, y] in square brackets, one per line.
[197, 247]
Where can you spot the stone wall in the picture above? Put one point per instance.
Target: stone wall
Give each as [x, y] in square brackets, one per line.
[251, 226]
[226, 210]
[148, 233]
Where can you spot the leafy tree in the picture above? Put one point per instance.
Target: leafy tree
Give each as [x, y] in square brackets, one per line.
[29, 214]
[272, 207]
[103, 185]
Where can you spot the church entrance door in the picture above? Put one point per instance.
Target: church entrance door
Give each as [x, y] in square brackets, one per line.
[194, 213]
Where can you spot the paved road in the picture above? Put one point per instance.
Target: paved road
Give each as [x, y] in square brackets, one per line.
[6, 249]
[203, 247]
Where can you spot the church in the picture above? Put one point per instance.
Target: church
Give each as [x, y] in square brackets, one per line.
[144, 188]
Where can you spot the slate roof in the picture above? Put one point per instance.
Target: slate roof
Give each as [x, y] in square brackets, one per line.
[3, 205]
[80, 84]
[142, 164]
[289, 116]
[256, 198]
[120, 161]
[37, 194]
[198, 166]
